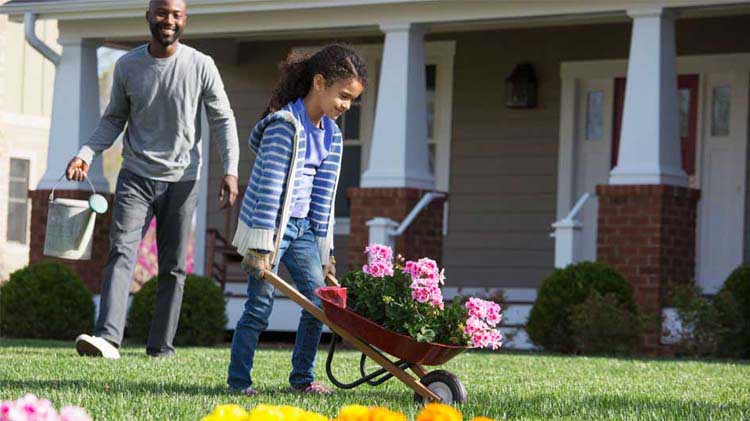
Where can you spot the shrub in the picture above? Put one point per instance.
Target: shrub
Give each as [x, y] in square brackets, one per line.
[603, 325]
[202, 318]
[549, 323]
[733, 308]
[45, 300]
[699, 322]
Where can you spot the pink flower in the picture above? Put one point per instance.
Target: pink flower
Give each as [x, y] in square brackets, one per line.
[31, 408]
[378, 268]
[484, 316]
[379, 252]
[74, 413]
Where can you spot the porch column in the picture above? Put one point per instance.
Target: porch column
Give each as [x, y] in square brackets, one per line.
[75, 113]
[647, 214]
[398, 173]
[650, 139]
[398, 154]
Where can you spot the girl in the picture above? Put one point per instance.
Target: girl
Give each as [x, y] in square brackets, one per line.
[287, 212]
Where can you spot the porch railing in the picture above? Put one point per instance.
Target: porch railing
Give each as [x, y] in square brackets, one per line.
[385, 230]
[567, 234]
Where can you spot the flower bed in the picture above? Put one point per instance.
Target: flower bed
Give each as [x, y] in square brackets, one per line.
[31, 408]
[405, 297]
[431, 412]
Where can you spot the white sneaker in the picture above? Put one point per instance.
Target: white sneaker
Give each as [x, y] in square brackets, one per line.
[94, 346]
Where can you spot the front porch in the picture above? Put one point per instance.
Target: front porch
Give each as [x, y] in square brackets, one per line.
[509, 173]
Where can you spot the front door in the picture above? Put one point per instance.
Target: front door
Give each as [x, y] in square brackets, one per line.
[722, 178]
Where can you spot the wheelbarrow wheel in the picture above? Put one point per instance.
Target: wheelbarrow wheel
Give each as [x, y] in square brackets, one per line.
[444, 384]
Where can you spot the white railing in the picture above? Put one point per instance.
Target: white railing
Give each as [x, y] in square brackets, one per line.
[567, 235]
[385, 230]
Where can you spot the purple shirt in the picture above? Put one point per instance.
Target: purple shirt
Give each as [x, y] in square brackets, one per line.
[318, 146]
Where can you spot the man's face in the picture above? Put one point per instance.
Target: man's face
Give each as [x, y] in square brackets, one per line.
[166, 20]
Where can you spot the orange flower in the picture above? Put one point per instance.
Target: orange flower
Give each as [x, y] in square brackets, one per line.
[439, 412]
[482, 419]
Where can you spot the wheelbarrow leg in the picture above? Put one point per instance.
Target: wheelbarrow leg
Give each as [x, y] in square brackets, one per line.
[418, 370]
[363, 347]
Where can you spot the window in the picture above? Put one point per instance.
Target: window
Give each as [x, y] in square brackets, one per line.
[351, 167]
[595, 115]
[18, 203]
[430, 75]
[720, 110]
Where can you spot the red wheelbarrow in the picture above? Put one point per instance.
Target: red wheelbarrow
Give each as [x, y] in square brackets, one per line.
[373, 341]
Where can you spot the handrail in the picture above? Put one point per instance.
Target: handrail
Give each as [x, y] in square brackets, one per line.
[423, 202]
[577, 207]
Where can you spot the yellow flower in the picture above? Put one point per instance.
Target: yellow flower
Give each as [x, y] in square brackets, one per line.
[482, 419]
[384, 414]
[266, 413]
[439, 412]
[227, 413]
[314, 416]
[353, 413]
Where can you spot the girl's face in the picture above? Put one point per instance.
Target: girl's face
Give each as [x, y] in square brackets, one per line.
[335, 99]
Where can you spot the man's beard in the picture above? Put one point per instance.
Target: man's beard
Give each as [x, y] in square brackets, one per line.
[165, 41]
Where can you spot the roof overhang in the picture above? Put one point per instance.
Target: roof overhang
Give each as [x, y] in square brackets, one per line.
[115, 19]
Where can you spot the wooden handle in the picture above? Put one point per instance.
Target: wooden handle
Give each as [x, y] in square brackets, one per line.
[331, 281]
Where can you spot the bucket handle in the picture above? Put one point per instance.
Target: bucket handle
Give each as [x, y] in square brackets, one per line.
[52, 193]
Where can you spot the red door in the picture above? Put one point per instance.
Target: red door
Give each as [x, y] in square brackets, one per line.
[687, 99]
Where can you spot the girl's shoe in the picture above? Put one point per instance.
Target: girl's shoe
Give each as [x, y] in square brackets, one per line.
[249, 391]
[315, 388]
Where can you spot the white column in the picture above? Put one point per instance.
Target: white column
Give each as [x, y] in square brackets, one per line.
[398, 154]
[75, 113]
[650, 142]
[567, 240]
[381, 231]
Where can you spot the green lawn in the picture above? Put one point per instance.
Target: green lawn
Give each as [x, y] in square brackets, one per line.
[500, 385]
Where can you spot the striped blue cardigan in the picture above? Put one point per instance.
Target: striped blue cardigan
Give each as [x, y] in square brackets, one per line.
[267, 203]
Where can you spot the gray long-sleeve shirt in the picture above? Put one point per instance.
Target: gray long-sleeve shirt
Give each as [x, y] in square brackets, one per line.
[160, 100]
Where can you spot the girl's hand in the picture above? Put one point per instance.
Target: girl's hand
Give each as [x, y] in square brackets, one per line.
[330, 268]
[255, 263]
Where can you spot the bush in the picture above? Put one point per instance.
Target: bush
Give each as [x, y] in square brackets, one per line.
[550, 321]
[700, 324]
[602, 325]
[202, 318]
[45, 300]
[733, 308]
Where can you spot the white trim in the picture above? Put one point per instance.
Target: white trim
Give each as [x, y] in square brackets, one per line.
[342, 226]
[391, 11]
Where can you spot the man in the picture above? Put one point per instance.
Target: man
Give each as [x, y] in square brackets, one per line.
[159, 90]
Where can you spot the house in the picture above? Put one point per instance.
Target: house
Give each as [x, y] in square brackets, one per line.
[642, 105]
[26, 85]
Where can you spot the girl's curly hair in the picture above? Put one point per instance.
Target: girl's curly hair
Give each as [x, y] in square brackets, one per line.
[334, 62]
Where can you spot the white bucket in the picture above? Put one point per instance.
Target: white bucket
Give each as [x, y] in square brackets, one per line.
[70, 228]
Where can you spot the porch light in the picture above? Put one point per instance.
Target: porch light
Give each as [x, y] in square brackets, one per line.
[520, 87]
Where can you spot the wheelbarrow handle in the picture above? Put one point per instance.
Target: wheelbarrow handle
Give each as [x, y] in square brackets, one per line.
[331, 281]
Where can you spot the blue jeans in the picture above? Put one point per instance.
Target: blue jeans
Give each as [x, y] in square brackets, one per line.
[299, 253]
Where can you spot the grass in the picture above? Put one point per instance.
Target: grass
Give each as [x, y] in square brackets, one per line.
[500, 385]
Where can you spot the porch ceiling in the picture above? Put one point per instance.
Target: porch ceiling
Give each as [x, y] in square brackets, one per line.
[122, 19]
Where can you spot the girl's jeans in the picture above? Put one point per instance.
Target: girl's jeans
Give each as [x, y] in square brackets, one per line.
[299, 253]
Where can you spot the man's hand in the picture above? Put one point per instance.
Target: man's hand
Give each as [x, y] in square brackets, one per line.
[77, 169]
[228, 192]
